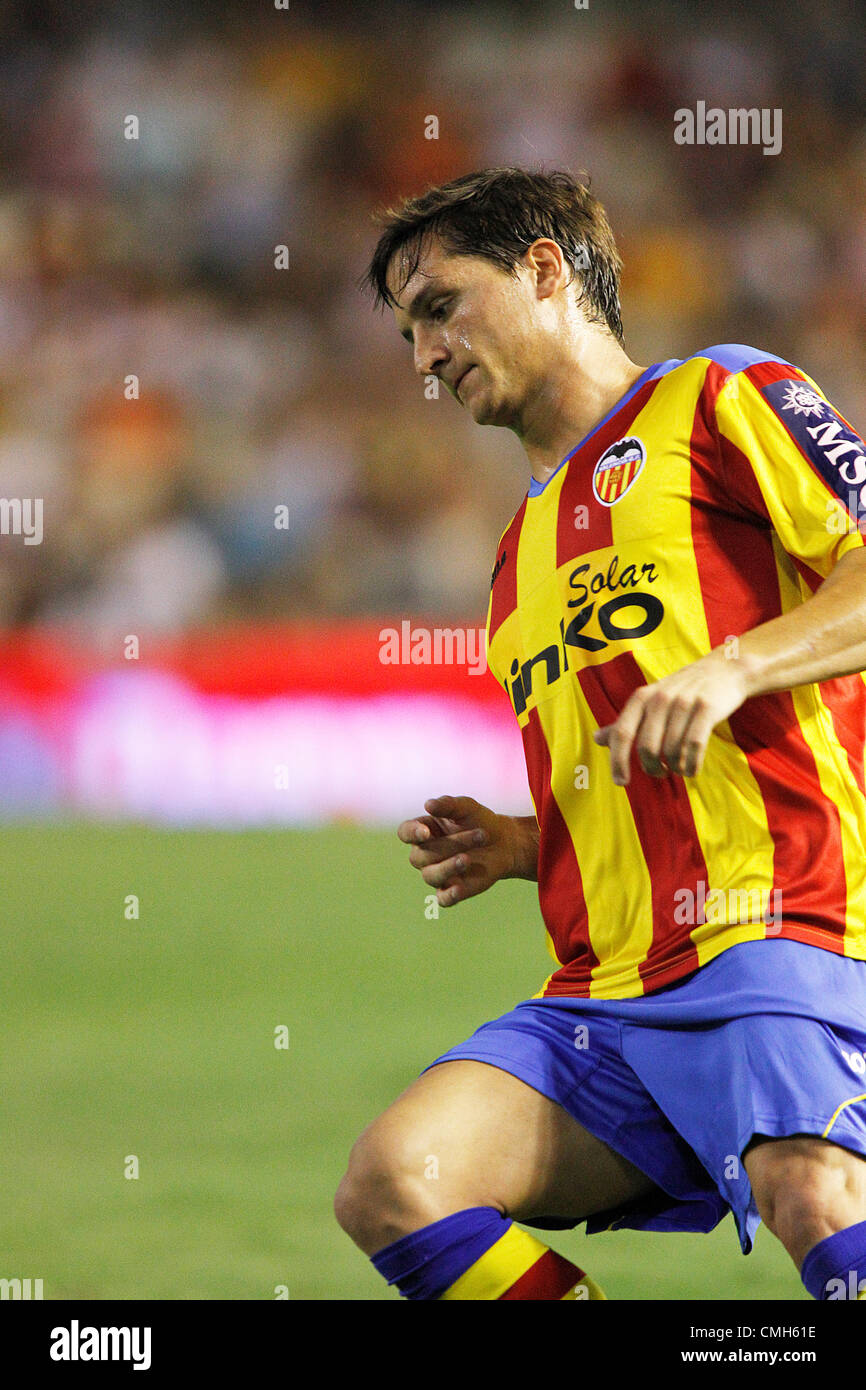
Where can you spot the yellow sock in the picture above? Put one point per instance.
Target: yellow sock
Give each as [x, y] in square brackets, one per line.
[520, 1267]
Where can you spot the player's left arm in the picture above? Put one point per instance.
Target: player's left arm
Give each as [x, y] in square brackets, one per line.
[796, 467]
[671, 720]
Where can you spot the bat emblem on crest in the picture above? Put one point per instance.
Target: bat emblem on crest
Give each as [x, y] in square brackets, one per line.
[618, 469]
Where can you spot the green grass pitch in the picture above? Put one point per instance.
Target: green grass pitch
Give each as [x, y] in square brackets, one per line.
[154, 1038]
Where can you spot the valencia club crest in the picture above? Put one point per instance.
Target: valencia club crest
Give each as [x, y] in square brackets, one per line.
[617, 469]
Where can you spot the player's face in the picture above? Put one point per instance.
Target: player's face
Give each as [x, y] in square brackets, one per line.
[473, 326]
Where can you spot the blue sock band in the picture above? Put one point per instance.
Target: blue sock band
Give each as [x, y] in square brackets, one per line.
[835, 1267]
[427, 1262]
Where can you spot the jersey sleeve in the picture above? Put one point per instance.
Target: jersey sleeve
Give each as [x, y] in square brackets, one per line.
[793, 461]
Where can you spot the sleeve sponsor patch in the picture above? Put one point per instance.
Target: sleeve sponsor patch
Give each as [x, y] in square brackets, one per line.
[837, 452]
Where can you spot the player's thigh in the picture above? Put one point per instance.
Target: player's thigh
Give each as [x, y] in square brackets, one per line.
[807, 1175]
[482, 1137]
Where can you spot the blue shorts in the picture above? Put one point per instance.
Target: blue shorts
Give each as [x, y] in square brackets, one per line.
[768, 1038]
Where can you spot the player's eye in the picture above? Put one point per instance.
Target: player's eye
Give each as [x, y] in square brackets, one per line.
[438, 311]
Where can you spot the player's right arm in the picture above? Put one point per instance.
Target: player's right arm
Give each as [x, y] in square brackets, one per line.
[462, 848]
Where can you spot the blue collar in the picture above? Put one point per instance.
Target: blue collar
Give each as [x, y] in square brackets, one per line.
[657, 370]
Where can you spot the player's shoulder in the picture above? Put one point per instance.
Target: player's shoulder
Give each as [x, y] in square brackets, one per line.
[723, 364]
[738, 357]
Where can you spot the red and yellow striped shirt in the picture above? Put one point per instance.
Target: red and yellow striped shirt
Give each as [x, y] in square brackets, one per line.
[716, 495]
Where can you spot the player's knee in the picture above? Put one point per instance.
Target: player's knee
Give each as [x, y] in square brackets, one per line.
[385, 1192]
[363, 1188]
[805, 1190]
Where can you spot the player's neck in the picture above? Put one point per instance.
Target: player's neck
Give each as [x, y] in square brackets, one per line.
[575, 396]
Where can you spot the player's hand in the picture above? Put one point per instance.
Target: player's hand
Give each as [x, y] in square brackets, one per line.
[670, 721]
[460, 847]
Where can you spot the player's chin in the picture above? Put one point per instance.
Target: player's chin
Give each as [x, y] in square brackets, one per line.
[484, 410]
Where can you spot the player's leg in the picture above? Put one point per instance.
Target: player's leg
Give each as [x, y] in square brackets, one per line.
[468, 1134]
[466, 1148]
[811, 1193]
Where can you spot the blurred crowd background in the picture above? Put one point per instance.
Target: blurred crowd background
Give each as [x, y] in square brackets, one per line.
[263, 387]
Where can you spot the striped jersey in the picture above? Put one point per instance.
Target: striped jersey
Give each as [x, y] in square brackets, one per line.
[716, 495]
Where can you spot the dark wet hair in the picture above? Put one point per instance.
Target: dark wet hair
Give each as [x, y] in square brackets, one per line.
[497, 214]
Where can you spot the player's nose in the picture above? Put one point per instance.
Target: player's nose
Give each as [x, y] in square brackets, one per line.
[430, 357]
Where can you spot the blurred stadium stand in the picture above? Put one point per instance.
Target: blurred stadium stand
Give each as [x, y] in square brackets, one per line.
[263, 388]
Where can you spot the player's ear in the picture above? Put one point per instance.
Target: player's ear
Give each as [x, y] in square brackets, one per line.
[546, 264]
